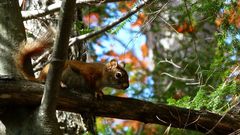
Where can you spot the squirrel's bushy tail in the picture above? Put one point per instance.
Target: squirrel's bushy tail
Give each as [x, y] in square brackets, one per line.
[28, 49]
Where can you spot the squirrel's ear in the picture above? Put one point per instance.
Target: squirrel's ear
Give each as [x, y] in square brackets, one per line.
[112, 64]
[122, 64]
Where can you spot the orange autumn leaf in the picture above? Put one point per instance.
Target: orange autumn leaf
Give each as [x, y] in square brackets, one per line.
[139, 21]
[218, 21]
[134, 61]
[103, 60]
[232, 16]
[125, 6]
[112, 53]
[182, 27]
[237, 22]
[91, 18]
[144, 64]
[135, 125]
[191, 29]
[185, 27]
[129, 4]
[144, 49]
[131, 58]
[123, 10]
[128, 55]
[150, 129]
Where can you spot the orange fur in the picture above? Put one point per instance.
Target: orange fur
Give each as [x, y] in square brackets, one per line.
[27, 50]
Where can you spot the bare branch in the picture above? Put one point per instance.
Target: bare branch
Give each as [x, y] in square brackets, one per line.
[33, 14]
[177, 78]
[108, 27]
[170, 62]
[193, 83]
[26, 93]
[211, 130]
[237, 132]
[38, 60]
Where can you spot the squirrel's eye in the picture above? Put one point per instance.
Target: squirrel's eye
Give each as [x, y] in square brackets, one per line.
[118, 75]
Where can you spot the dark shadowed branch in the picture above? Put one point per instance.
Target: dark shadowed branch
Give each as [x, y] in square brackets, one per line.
[25, 93]
[59, 55]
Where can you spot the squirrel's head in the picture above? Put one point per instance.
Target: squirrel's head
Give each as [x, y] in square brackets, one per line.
[116, 75]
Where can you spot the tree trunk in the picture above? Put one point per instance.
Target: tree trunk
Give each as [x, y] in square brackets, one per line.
[12, 34]
[23, 119]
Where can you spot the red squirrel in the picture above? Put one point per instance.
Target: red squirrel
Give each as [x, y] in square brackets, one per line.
[76, 74]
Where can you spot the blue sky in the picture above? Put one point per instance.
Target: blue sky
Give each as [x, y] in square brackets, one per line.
[133, 41]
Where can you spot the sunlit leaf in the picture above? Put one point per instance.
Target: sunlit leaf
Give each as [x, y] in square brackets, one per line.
[144, 49]
[112, 53]
[126, 5]
[140, 20]
[91, 18]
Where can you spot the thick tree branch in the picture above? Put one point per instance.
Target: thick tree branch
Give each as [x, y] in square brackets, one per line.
[33, 14]
[108, 27]
[25, 93]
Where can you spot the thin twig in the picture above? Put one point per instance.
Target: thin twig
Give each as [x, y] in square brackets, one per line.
[166, 132]
[187, 124]
[159, 11]
[45, 54]
[108, 27]
[219, 121]
[33, 14]
[193, 83]
[169, 25]
[177, 78]
[237, 132]
[36, 69]
[231, 76]
[161, 120]
[170, 62]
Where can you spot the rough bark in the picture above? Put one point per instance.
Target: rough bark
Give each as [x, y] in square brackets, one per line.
[23, 119]
[12, 34]
[23, 93]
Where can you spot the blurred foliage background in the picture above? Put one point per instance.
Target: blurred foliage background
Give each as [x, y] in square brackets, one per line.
[189, 58]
